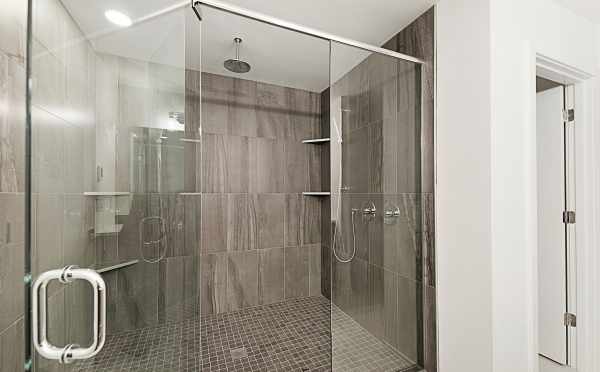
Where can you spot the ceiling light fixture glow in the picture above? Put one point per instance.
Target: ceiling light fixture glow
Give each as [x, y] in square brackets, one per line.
[118, 18]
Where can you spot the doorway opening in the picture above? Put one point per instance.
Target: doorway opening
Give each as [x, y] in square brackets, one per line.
[556, 217]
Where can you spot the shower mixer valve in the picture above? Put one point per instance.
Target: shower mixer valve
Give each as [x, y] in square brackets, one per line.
[368, 210]
[391, 214]
[395, 212]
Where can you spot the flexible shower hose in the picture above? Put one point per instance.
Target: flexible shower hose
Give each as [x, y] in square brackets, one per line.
[353, 241]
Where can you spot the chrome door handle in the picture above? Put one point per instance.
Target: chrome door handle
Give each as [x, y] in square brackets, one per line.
[70, 352]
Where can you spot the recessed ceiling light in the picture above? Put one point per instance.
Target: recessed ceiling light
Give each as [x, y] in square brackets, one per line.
[118, 18]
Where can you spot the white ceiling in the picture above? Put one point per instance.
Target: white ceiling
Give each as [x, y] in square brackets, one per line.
[589, 9]
[276, 55]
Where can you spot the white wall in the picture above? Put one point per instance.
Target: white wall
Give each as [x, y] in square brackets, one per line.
[544, 28]
[561, 34]
[513, 199]
[463, 191]
[486, 172]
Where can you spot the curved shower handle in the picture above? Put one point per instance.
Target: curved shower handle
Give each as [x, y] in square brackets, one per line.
[161, 239]
[163, 229]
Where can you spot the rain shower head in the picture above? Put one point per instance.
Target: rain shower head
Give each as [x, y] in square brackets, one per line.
[236, 65]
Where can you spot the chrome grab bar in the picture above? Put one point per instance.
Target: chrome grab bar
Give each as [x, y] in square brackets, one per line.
[70, 352]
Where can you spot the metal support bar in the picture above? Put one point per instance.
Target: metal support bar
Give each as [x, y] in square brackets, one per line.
[297, 28]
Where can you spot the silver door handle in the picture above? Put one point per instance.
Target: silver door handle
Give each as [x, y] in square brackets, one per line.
[70, 352]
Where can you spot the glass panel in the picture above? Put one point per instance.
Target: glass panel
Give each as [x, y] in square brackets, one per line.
[182, 179]
[264, 263]
[376, 211]
[13, 22]
[109, 124]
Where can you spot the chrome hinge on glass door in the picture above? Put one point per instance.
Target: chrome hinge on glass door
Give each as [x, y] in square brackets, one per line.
[70, 352]
[569, 116]
[570, 320]
[569, 217]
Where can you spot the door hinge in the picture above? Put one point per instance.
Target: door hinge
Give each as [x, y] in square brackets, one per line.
[569, 217]
[570, 320]
[569, 115]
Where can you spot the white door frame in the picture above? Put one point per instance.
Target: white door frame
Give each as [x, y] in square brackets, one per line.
[587, 188]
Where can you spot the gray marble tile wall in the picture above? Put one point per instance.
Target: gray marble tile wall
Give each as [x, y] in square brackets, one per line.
[380, 287]
[417, 40]
[154, 291]
[255, 225]
[260, 238]
[137, 98]
[387, 160]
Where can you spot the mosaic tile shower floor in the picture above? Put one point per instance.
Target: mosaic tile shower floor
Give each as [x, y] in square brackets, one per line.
[287, 336]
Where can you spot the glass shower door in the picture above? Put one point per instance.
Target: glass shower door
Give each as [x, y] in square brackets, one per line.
[264, 193]
[183, 200]
[112, 217]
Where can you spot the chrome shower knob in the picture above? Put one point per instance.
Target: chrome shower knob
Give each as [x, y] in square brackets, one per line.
[368, 209]
[394, 212]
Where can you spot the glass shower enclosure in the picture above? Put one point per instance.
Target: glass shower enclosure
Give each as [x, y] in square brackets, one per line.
[214, 189]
